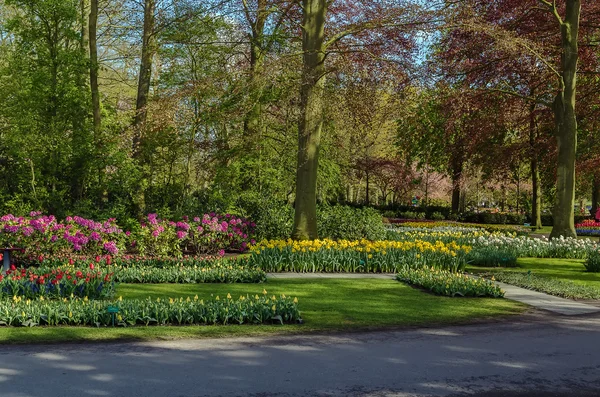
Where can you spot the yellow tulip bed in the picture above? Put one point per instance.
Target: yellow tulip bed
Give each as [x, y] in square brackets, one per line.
[360, 256]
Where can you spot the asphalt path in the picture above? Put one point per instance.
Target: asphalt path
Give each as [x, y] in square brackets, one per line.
[538, 356]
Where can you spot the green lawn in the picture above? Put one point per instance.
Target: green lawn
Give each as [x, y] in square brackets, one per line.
[563, 269]
[327, 305]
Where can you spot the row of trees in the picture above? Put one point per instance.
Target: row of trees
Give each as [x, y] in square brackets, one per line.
[118, 108]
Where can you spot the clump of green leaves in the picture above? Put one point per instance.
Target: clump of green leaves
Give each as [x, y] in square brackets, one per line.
[446, 283]
[492, 257]
[592, 263]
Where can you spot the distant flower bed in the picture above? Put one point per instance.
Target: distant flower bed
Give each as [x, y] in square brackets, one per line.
[190, 311]
[511, 229]
[360, 256]
[44, 236]
[588, 228]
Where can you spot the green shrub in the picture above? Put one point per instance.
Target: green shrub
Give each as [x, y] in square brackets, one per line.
[274, 219]
[565, 289]
[437, 216]
[412, 215]
[346, 223]
[190, 311]
[442, 282]
[389, 214]
[592, 263]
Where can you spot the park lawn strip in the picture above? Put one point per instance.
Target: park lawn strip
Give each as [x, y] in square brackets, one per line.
[326, 305]
[566, 278]
[571, 270]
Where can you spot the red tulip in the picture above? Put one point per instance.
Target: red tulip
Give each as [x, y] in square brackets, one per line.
[92, 266]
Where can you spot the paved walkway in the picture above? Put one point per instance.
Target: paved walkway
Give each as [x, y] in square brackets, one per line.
[553, 356]
[536, 299]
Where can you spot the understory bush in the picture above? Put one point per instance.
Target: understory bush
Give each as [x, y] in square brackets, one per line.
[346, 223]
[191, 311]
[361, 256]
[562, 288]
[592, 262]
[446, 283]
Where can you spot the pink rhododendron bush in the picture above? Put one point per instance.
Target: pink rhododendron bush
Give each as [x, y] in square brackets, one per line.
[41, 236]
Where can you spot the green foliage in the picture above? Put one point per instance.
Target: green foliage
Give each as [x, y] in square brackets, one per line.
[347, 223]
[592, 262]
[221, 271]
[411, 215]
[552, 286]
[220, 310]
[489, 256]
[274, 219]
[437, 216]
[168, 270]
[442, 282]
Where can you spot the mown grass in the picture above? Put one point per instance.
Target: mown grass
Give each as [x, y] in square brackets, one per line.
[561, 269]
[567, 278]
[327, 305]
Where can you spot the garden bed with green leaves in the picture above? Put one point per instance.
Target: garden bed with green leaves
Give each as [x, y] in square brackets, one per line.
[259, 309]
[445, 283]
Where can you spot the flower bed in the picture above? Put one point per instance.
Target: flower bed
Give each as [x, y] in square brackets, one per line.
[446, 234]
[564, 289]
[588, 228]
[355, 256]
[191, 311]
[57, 283]
[519, 230]
[442, 282]
[165, 270]
[43, 236]
[566, 248]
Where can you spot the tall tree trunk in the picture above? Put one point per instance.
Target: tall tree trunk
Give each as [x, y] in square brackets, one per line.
[457, 169]
[83, 8]
[252, 120]
[311, 118]
[144, 79]
[566, 124]
[536, 199]
[93, 23]
[145, 75]
[368, 190]
[595, 195]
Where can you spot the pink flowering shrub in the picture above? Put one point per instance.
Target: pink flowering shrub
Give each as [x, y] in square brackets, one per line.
[210, 233]
[214, 233]
[157, 237]
[41, 235]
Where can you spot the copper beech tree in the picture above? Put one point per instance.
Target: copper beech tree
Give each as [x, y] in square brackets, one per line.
[532, 50]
